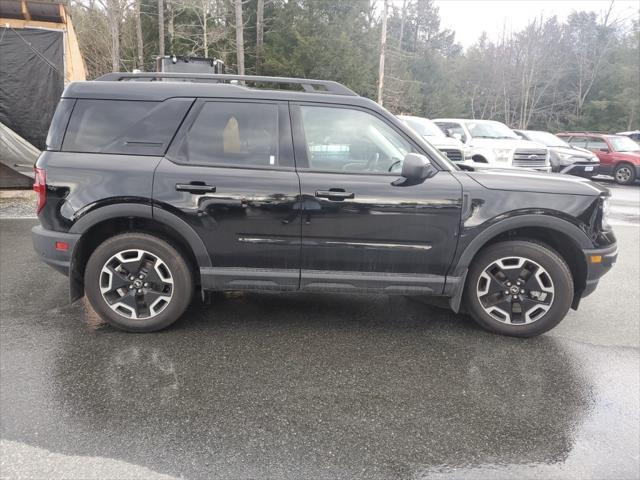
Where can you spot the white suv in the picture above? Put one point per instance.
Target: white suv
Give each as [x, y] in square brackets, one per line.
[495, 144]
[452, 147]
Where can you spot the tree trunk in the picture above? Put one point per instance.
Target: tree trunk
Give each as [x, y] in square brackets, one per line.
[383, 44]
[205, 39]
[239, 37]
[161, 28]
[170, 27]
[114, 20]
[139, 35]
[404, 15]
[259, 35]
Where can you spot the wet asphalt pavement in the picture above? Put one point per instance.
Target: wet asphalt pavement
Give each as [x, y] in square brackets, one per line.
[314, 386]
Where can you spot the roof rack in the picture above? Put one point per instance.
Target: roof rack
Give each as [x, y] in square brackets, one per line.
[587, 132]
[311, 86]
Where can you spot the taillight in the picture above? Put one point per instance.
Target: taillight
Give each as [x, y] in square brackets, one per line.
[40, 187]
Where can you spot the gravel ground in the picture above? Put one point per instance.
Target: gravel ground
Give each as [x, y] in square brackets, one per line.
[17, 207]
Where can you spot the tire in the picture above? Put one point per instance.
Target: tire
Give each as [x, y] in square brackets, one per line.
[624, 174]
[158, 298]
[548, 288]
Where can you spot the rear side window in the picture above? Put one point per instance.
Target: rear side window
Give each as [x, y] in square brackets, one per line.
[59, 123]
[595, 143]
[124, 126]
[233, 134]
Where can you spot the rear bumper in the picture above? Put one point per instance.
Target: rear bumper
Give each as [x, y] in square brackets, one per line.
[596, 269]
[44, 243]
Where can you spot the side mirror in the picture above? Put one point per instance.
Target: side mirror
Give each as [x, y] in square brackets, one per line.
[604, 150]
[457, 136]
[448, 132]
[416, 169]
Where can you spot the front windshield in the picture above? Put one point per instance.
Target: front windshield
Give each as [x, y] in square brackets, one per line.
[490, 130]
[623, 144]
[546, 138]
[423, 127]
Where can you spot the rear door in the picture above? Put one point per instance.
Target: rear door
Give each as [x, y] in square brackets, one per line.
[360, 229]
[600, 147]
[230, 174]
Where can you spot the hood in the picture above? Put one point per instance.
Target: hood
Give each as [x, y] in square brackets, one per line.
[574, 152]
[511, 143]
[530, 181]
[443, 141]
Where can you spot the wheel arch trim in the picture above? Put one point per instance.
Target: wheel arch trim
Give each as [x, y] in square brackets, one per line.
[133, 210]
[460, 267]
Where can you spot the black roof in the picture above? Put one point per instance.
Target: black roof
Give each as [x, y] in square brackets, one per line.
[161, 86]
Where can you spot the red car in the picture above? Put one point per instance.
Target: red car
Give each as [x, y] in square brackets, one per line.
[619, 155]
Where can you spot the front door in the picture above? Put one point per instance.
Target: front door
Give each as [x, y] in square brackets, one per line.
[359, 229]
[230, 175]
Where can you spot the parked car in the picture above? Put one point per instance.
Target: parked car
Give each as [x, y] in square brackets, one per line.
[564, 157]
[496, 144]
[619, 156]
[453, 148]
[633, 135]
[149, 191]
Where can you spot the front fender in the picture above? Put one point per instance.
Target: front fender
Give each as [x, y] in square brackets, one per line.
[458, 271]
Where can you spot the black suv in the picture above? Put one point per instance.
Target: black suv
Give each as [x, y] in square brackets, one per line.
[154, 186]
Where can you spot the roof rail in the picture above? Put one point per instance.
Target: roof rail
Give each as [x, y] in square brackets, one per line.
[311, 86]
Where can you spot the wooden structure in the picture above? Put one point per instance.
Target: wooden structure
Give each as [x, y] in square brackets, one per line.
[50, 15]
[39, 55]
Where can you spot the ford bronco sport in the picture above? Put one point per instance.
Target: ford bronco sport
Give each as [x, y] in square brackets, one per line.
[155, 186]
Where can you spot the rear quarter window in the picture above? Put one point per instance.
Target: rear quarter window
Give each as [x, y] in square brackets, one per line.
[124, 126]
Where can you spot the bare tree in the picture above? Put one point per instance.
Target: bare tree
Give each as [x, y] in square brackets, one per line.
[161, 28]
[239, 37]
[114, 11]
[383, 44]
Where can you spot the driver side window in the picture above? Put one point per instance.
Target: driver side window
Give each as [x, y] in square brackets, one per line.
[351, 140]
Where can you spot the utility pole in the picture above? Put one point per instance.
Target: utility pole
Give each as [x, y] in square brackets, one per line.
[259, 35]
[161, 27]
[139, 39]
[383, 44]
[239, 37]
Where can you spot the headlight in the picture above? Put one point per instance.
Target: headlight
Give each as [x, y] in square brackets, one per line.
[606, 208]
[566, 159]
[467, 153]
[502, 154]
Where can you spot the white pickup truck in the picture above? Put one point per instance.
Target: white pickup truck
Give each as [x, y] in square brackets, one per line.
[495, 144]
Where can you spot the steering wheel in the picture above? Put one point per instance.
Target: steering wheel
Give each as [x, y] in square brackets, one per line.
[394, 164]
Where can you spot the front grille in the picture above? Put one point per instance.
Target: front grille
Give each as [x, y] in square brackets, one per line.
[530, 158]
[453, 154]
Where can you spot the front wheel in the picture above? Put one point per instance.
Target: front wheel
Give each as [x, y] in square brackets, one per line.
[138, 283]
[518, 288]
[624, 174]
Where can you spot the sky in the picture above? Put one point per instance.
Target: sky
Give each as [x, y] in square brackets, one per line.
[469, 18]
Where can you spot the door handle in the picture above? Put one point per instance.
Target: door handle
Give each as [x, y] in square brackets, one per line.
[334, 194]
[195, 187]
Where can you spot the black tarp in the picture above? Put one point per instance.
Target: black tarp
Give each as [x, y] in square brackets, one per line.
[31, 80]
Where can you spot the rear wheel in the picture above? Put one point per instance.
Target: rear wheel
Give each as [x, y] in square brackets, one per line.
[624, 174]
[518, 288]
[138, 282]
